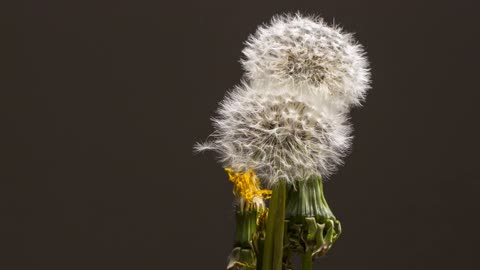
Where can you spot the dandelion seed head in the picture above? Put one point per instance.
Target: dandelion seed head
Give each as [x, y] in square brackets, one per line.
[308, 55]
[277, 135]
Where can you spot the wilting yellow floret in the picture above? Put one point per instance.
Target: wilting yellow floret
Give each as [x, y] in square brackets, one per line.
[247, 185]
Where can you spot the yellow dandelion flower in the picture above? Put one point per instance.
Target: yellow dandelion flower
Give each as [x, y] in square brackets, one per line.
[247, 185]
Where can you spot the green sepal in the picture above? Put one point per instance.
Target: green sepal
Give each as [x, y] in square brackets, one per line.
[248, 239]
[242, 259]
[312, 227]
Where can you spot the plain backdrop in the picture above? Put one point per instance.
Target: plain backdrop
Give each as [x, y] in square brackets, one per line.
[101, 103]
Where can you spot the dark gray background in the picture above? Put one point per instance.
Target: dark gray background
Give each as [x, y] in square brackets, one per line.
[101, 103]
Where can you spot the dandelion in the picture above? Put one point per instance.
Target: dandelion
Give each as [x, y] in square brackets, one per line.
[286, 128]
[310, 56]
[276, 135]
[285, 142]
[250, 219]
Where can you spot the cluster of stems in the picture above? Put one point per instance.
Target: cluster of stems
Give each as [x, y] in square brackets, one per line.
[298, 221]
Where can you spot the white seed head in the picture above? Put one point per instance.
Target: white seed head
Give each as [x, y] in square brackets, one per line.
[277, 135]
[308, 55]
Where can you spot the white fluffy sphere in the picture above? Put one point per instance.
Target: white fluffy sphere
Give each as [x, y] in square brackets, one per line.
[310, 56]
[277, 135]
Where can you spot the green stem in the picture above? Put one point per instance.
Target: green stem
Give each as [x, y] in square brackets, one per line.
[268, 244]
[273, 247]
[260, 254]
[279, 227]
[307, 261]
